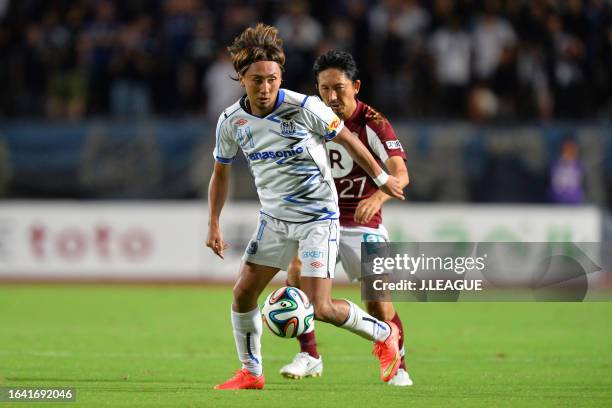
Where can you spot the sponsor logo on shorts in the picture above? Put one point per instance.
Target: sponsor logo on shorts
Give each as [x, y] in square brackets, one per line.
[314, 254]
[252, 248]
[316, 264]
[373, 238]
[393, 145]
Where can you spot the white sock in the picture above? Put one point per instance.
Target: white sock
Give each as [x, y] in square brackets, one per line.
[247, 333]
[366, 326]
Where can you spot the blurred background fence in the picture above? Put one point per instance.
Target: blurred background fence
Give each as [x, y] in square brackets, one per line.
[171, 159]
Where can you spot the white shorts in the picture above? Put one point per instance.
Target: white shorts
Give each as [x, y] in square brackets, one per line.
[275, 242]
[350, 246]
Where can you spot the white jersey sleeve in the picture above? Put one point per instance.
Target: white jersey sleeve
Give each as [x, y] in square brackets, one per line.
[321, 119]
[225, 146]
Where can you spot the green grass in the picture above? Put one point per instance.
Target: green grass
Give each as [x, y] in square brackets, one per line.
[168, 346]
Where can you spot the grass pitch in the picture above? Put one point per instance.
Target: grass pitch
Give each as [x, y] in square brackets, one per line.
[130, 346]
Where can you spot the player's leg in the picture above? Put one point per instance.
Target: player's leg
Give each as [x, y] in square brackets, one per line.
[262, 260]
[308, 362]
[293, 272]
[347, 315]
[350, 256]
[349, 251]
[386, 311]
[318, 251]
[380, 310]
[309, 357]
[247, 325]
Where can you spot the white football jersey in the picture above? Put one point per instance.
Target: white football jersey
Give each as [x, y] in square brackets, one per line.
[286, 154]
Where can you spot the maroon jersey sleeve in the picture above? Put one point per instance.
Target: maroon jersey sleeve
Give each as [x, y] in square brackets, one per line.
[380, 136]
[352, 182]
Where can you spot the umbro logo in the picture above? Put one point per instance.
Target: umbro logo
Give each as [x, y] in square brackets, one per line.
[316, 264]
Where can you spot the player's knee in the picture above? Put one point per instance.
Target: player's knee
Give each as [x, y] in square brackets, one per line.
[243, 298]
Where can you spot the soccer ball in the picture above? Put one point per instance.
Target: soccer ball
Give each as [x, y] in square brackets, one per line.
[288, 313]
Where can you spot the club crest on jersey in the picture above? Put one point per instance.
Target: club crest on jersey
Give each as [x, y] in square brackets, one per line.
[287, 127]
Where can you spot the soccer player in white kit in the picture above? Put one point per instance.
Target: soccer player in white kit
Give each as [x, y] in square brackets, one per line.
[336, 78]
[282, 135]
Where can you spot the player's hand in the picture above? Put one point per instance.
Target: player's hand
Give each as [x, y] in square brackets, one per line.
[215, 242]
[393, 188]
[366, 209]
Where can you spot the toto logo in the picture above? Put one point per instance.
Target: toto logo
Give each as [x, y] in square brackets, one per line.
[73, 244]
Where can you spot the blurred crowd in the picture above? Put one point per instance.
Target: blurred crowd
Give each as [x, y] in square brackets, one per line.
[459, 59]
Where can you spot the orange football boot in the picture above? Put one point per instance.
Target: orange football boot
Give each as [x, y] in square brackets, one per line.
[389, 354]
[243, 380]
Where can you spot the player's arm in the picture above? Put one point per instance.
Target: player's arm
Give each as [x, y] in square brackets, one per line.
[218, 189]
[387, 183]
[368, 207]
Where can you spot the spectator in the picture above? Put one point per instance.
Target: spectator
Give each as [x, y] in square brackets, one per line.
[300, 30]
[202, 55]
[62, 59]
[98, 41]
[66, 88]
[301, 33]
[566, 176]
[534, 86]
[606, 65]
[33, 76]
[567, 55]
[223, 90]
[132, 66]
[6, 63]
[178, 24]
[451, 48]
[492, 35]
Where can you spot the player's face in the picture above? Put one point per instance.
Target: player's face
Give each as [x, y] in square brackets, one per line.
[261, 83]
[338, 91]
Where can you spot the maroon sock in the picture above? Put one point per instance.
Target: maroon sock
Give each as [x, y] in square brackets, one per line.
[398, 322]
[308, 344]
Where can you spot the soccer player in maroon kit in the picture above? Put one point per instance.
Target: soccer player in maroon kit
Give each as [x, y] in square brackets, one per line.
[360, 200]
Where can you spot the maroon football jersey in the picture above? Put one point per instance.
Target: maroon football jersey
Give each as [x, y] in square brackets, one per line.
[352, 182]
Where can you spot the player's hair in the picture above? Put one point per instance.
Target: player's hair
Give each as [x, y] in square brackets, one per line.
[259, 43]
[338, 59]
